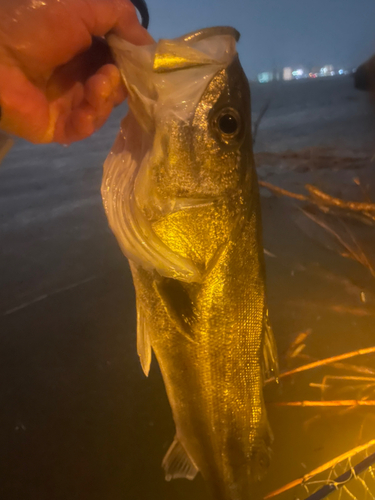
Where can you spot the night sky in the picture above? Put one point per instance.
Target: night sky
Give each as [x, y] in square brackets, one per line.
[278, 33]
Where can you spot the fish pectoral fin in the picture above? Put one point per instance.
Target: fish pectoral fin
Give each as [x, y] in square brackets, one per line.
[270, 363]
[177, 464]
[177, 304]
[143, 341]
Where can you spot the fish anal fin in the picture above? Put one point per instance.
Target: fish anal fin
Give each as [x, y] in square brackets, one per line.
[270, 363]
[177, 464]
[143, 341]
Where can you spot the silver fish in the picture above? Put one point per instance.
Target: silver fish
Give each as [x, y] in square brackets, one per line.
[181, 195]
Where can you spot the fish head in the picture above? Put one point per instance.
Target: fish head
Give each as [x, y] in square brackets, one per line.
[202, 145]
[191, 96]
[219, 148]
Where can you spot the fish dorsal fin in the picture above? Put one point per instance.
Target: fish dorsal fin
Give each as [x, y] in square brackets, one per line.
[177, 464]
[143, 340]
[271, 366]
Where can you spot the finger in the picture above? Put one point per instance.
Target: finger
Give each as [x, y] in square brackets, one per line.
[80, 68]
[80, 124]
[30, 112]
[105, 86]
[52, 34]
[100, 94]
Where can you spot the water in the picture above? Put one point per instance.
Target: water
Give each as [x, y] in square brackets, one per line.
[79, 420]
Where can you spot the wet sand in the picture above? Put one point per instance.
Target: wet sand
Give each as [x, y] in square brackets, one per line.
[79, 420]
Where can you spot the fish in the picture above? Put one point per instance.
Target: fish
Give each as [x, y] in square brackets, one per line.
[181, 196]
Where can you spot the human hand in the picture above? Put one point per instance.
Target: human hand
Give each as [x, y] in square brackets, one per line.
[57, 83]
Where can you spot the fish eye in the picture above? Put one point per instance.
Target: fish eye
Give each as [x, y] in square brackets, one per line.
[228, 123]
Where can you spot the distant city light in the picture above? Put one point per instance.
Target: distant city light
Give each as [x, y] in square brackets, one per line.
[299, 73]
[265, 77]
[327, 70]
[287, 73]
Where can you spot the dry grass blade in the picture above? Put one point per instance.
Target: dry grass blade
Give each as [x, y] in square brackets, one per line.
[297, 344]
[365, 370]
[329, 230]
[328, 465]
[281, 191]
[347, 377]
[331, 381]
[320, 198]
[257, 123]
[323, 404]
[324, 362]
[326, 199]
[359, 255]
[356, 253]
